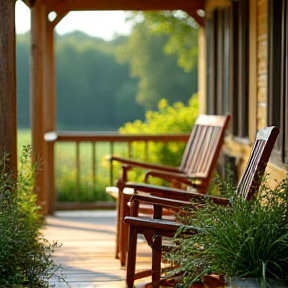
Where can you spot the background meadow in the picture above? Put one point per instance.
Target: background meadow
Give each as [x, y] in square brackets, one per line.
[67, 187]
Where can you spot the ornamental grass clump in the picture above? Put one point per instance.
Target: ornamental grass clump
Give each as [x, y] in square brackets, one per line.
[244, 239]
[25, 255]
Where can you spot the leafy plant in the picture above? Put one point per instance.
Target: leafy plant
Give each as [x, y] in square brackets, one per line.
[181, 29]
[25, 255]
[244, 239]
[177, 118]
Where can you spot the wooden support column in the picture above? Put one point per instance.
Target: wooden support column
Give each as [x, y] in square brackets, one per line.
[37, 98]
[50, 114]
[8, 107]
[50, 109]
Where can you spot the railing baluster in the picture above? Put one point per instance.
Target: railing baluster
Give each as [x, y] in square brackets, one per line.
[93, 164]
[111, 138]
[111, 164]
[146, 151]
[78, 167]
[129, 149]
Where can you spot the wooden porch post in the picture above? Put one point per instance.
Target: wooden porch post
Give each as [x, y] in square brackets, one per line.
[50, 114]
[37, 98]
[8, 109]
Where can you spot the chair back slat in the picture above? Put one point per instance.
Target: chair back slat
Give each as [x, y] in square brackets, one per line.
[203, 148]
[251, 179]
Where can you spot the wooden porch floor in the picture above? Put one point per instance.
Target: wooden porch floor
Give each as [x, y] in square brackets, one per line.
[87, 254]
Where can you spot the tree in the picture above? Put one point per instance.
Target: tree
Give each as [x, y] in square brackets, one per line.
[8, 126]
[182, 32]
[158, 73]
[23, 80]
[100, 87]
[160, 41]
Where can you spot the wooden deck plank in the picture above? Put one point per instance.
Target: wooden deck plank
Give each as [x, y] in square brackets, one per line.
[87, 254]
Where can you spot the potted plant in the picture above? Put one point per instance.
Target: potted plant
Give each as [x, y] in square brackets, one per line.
[25, 255]
[244, 244]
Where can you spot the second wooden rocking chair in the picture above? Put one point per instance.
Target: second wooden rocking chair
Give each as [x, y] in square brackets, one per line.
[154, 229]
[198, 163]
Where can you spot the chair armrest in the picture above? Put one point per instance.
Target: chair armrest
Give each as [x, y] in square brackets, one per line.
[160, 191]
[173, 193]
[175, 205]
[158, 204]
[164, 202]
[170, 176]
[145, 165]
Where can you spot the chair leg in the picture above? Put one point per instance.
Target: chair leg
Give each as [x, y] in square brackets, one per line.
[156, 259]
[131, 263]
[120, 185]
[117, 229]
[124, 228]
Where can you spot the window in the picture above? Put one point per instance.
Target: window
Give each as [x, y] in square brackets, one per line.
[277, 73]
[227, 64]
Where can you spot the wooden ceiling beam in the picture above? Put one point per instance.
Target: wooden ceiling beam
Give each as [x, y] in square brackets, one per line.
[196, 17]
[58, 18]
[144, 5]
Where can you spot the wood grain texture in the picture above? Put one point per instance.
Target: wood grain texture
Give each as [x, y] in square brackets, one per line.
[8, 114]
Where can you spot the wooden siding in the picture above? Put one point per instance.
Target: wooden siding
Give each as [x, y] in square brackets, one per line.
[258, 85]
[262, 62]
[202, 71]
[252, 69]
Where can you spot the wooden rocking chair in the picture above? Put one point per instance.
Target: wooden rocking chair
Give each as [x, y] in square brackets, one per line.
[196, 168]
[154, 229]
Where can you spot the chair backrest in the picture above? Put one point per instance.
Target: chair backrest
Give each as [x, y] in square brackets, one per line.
[256, 165]
[203, 148]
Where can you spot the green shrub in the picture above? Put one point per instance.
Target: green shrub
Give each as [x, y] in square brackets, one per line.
[168, 119]
[89, 188]
[25, 255]
[244, 239]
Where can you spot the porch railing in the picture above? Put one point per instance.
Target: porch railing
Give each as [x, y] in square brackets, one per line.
[113, 139]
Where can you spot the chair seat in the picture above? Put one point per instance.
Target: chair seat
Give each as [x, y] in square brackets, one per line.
[114, 191]
[145, 209]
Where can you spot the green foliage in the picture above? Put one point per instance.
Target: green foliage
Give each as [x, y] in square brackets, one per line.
[168, 119]
[66, 171]
[96, 82]
[87, 191]
[158, 73]
[89, 78]
[244, 239]
[25, 255]
[23, 80]
[91, 188]
[99, 89]
[182, 32]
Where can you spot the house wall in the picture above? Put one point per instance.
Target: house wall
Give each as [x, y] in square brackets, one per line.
[262, 63]
[258, 84]
[202, 71]
[275, 167]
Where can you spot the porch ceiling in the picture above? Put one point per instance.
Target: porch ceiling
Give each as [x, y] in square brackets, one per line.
[81, 5]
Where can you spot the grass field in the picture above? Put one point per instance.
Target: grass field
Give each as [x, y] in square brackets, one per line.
[84, 179]
[66, 172]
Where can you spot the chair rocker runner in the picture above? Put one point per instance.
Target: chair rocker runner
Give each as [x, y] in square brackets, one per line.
[196, 168]
[154, 229]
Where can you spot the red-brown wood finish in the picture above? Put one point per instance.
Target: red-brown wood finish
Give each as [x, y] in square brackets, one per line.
[155, 228]
[198, 162]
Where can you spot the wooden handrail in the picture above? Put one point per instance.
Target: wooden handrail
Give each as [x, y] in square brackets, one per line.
[53, 137]
[79, 136]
